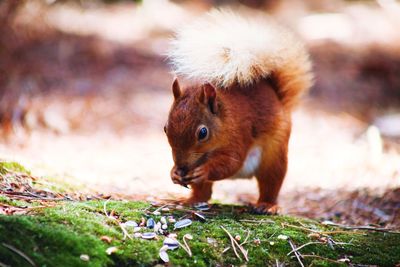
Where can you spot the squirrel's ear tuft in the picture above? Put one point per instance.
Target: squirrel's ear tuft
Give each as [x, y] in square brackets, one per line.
[176, 89]
[209, 97]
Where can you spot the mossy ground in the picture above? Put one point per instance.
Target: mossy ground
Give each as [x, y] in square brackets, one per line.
[59, 234]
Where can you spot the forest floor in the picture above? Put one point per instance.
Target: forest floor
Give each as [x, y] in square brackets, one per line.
[90, 103]
[41, 227]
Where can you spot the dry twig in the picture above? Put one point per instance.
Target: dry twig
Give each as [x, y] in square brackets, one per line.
[366, 227]
[234, 242]
[20, 253]
[302, 246]
[296, 253]
[124, 231]
[244, 242]
[320, 232]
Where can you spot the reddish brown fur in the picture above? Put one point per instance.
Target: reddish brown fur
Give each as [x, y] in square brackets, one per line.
[244, 117]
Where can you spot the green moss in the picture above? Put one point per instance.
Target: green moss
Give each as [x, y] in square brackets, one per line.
[13, 202]
[6, 166]
[59, 235]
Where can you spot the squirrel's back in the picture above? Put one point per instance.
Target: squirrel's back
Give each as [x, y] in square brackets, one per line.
[225, 49]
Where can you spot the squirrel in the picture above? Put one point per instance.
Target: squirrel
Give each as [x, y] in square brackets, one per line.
[234, 119]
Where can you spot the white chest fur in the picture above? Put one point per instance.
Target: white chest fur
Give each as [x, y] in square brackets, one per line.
[251, 164]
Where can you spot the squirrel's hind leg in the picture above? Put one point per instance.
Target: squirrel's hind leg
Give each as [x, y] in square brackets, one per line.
[270, 177]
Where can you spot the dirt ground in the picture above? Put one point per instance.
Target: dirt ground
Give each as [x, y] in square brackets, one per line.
[94, 97]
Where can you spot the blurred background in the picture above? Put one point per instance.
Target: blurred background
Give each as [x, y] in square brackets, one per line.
[85, 92]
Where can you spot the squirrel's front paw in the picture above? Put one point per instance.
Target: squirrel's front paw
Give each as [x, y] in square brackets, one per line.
[175, 177]
[195, 176]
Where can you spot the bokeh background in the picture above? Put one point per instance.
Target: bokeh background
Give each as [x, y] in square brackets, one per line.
[85, 92]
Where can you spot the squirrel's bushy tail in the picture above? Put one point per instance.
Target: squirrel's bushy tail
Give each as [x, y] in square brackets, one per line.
[224, 49]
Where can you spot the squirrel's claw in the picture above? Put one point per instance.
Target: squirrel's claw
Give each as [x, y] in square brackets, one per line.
[265, 208]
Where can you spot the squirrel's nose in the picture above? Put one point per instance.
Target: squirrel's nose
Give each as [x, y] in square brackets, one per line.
[182, 171]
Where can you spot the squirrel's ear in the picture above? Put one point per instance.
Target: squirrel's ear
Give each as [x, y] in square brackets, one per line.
[209, 97]
[176, 89]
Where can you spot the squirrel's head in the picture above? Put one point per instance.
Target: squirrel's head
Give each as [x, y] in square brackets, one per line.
[193, 125]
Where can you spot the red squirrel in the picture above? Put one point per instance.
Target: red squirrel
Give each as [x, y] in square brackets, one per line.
[235, 118]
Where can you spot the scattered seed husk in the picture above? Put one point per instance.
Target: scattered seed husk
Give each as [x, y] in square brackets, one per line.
[137, 235]
[257, 241]
[131, 224]
[171, 243]
[237, 237]
[84, 257]
[171, 220]
[283, 237]
[106, 239]
[314, 235]
[137, 229]
[149, 235]
[164, 227]
[183, 223]
[163, 220]
[142, 222]
[150, 223]
[164, 256]
[203, 206]
[157, 227]
[111, 250]
[199, 216]
[156, 212]
[173, 235]
[166, 209]
[188, 236]
[164, 248]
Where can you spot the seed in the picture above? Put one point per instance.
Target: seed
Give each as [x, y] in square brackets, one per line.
[137, 229]
[84, 257]
[172, 235]
[171, 219]
[183, 223]
[130, 224]
[171, 243]
[106, 239]
[164, 256]
[149, 235]
[156, 212]
[237, 237]
[314, 235]
[142, 222]
[163, 220]
[203, 206]
[283, 237]
[157, 227]
[188, 236]
[164, 248]
[165, 209]
[150, 223]
[137, 235]
[164, 227]
[199, 216]
[111, 250]
[257, 241]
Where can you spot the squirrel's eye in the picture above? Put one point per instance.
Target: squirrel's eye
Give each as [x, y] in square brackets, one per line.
[165, 129]
[203, 133]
